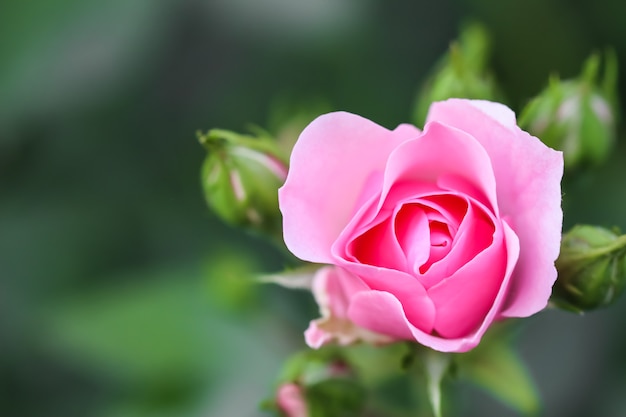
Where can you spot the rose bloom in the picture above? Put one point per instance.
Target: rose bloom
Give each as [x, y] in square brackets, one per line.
[434, 234]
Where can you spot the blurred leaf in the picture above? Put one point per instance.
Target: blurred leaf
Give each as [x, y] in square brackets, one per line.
[497, 368]
[165, 342]
[144, 326]
[396, 395]
[337, 397]
[53, 53]
[382, 369]
[154, 336]
[231, 284]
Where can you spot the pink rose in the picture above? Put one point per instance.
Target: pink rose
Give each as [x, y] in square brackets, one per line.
[291, 401]
[443, 231]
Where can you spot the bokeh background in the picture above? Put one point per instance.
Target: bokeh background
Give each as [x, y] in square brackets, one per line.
[121, 295]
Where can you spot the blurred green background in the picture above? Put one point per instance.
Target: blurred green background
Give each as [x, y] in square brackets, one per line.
[121, 295]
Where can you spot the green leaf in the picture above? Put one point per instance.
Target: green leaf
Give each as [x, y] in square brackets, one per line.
[497, 368]
[164, 343]
[231, 283]
[149, 336]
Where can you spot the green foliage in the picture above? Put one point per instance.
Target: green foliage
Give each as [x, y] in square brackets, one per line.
[154, 339]
[336, 397]
[496, 367]
[169, 312]
[231, 285]
[164, 342]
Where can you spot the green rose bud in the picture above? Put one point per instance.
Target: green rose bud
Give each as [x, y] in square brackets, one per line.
[461, 73]
[241, 176]
[591, 268]
[577, 116]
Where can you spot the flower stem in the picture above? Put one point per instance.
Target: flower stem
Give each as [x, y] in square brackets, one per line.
[437, 364]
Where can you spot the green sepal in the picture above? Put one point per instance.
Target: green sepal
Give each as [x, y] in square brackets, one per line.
[300, 277]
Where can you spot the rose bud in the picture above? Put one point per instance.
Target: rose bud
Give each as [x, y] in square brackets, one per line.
[591, 268]
[318, 386]
[290, 400]
[240, 176]
[461, 73]
[437, 233]
[577, 116]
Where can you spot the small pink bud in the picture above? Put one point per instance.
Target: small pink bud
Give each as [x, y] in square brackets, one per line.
[291, 401]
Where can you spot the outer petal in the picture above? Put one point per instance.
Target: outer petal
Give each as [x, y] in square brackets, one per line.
[333, 289]
[381, 312]
[330, 164]
[528, 176]
[463, 300]
[417, 307]
[444, 154]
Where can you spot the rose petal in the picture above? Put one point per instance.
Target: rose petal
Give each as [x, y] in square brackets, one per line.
[333, 288]
[463, 299]
[381, 312]
[443, 152]
[528, 176]
[340, 286]
[370, 215]
[411, 228]
[316, 335]
[330, 163]
[475, 234]
[451, 206]
[366, 248]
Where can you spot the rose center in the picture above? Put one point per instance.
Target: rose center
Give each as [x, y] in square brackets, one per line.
[428, 237]
[440, 244]
[424, 234]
